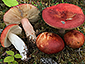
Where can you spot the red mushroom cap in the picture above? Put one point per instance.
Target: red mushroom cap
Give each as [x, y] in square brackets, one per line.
[74, 39]
[49, 43]
[11, 28]
[64, 15]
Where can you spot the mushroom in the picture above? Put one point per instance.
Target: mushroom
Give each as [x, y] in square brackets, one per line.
[74, 39]
[8, 37]
[49, 43]
[23, 13]
[63, 16]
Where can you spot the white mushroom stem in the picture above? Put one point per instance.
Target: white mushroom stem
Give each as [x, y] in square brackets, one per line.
[28, 28]
[19, 45]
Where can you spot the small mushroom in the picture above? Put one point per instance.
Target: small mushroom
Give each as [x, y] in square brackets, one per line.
[63, 16]
[49, 43]
[74, 39]
[23, 13]
[8, 37]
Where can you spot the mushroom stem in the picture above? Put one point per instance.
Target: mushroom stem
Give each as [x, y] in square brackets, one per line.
[61, 31]
[19, 45]
[28, 29]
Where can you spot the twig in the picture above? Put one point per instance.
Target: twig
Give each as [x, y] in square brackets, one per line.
[3, 54]
[48, 61]
[79, 50]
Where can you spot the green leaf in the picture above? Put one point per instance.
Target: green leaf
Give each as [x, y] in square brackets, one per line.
[9, 59]
[1, 60]
[33, 63]
[10, 52]
[32, 2]
[62, 1]
[15, 62]
[9, 63]
[53, 1]
[57, 3]
[69, 63]
[10, 3]
[17, 56]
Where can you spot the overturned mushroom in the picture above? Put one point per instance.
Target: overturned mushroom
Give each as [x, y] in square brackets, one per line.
[23, 13]
[8, 37]
[63, 16]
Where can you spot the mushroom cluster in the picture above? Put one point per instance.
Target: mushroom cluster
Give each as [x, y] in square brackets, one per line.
[23, 13]
[63, 16]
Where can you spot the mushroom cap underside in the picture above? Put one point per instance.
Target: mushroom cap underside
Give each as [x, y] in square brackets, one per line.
[64, 15]
[14, 28]
[16, 13]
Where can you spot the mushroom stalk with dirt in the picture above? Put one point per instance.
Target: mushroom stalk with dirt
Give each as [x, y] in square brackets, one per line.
[24, 14]
[30, 33]
[8, 37]
[63, 16]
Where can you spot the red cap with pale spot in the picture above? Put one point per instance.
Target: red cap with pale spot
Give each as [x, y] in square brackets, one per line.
[64, 15]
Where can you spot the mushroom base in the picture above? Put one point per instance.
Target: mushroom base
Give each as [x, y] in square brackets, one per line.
[61, 31]
[19, 45]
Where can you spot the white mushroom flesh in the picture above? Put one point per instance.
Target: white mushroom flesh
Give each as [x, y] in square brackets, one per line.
[19, 45]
